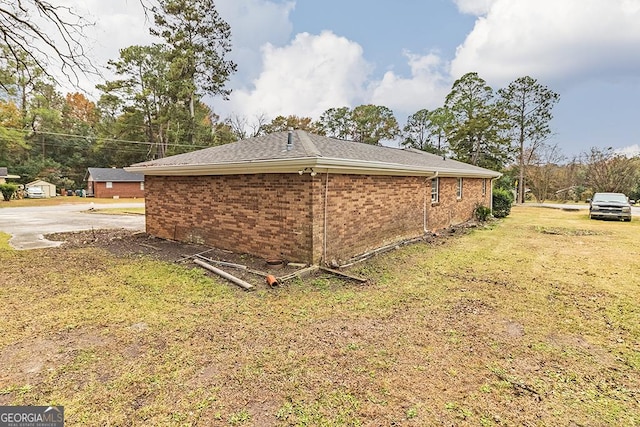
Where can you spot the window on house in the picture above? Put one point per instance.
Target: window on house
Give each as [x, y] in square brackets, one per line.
[435, 184]
[142, 186]
[484, 187]
[459, 189]
[109, 184]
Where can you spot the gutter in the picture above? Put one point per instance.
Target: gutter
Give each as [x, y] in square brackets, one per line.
[292, 165]
[326, 220]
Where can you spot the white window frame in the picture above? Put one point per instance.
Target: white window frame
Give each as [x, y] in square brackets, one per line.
[459, 188]
[484, 187]
[108, 184]
[435, 190]
[142, 185]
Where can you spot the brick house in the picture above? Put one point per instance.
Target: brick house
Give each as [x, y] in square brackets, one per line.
[303, 197]
[114, 183]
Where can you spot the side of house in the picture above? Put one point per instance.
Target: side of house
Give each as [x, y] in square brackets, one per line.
[308, 198]
[359, 213]
[110, 189]
[325, 218]
[114, 183]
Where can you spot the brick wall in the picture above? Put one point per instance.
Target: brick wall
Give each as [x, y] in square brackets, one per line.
[284, 215]
[120, 189]
[365, 212]
[449, 210]
[264, 214]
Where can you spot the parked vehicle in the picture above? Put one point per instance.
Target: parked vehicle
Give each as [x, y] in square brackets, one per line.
[610, 205]
[35, 193]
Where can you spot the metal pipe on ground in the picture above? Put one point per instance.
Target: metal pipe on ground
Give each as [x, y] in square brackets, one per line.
[244, 285]
[233, 265]
[298, 273]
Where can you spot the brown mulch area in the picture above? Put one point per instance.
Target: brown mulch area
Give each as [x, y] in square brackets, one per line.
[128, 243]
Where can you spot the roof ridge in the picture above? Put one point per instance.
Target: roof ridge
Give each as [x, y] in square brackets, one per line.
[308, 145]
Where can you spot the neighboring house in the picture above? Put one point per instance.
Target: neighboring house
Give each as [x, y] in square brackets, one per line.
[307, 198]
[4, 175]
[114, 183]
[47, 188]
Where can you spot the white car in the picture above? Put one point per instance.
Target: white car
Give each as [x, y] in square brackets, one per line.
[35, 193]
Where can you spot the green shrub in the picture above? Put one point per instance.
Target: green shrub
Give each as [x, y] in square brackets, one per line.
[482, 213]
[8, 190]
[502, 201]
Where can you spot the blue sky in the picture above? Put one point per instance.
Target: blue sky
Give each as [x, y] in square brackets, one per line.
[385, 28]
[304, 56]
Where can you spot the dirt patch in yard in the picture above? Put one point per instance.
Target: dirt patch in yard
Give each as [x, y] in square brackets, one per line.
[127, 243]
[252, 269]
[121, 242]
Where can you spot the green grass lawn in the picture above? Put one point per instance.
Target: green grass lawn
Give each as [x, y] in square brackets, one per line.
[534, 320]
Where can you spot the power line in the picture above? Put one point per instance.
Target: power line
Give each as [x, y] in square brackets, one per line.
[102, 138]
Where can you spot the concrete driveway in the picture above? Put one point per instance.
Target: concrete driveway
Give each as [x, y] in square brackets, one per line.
[28, 225]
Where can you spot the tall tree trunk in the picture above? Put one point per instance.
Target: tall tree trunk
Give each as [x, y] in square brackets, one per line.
[522, 167]
[521, 182]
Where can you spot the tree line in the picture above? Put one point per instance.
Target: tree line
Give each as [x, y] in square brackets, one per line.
[154, 107]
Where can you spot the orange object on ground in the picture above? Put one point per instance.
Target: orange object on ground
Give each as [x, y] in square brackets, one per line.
[272, 281]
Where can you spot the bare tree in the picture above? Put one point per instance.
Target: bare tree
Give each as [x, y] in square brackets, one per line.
[37, 33]
[608, 171]
[544, 170]
[242, 128]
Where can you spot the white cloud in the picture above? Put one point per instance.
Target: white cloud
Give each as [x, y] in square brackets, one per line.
[552, 40]
[122, 23]
[306, 77]
[254, 23]
[629, 151]
[118, 24]
[426, 88]
[317, 72]
[474, 7]
[101, 28]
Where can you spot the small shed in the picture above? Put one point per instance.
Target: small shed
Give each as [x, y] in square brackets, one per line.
[47, 188]
[309, 198]
[114, 183]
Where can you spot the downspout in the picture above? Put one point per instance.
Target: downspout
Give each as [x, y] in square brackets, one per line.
[424, 220]
[324, 239]
[491, 194]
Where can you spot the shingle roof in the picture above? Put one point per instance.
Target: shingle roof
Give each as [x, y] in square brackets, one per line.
[309, 150]
[4, 173]
[114, 175]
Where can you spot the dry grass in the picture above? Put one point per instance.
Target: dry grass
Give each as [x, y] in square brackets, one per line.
[534, 321]
[120, 211]
[63, 200]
